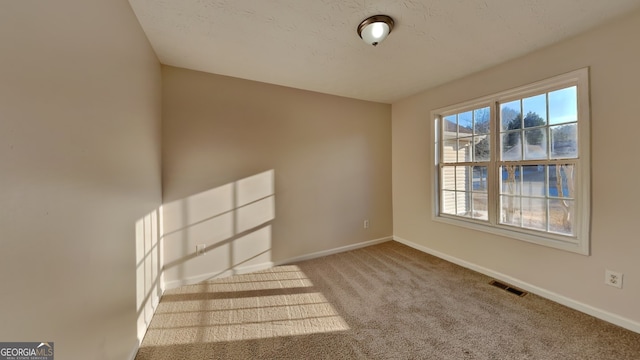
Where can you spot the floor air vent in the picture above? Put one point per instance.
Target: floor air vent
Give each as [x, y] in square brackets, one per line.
[508, 288]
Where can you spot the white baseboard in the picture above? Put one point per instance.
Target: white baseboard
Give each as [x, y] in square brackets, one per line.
[334, 251]
[155, 301]
[252, 268]
[576, 305]
[134, 351]
[172, 284]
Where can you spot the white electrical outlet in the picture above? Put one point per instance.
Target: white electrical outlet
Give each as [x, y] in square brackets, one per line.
[366, 224]
[613, 278]
[200, 249]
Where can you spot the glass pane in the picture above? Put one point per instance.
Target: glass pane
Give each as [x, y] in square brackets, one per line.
[480, 178]
[510, 183]
[480, 206]
[533, 120]
[536, 144]
[562, 181]
[448, 202]
[463, 178]
[533, 180]
[482, 148]
[563, 105]
[560, 214]
[534, 213]
[448, 177]
[450, 124]
[511, 147]
[465, 123]
[564, 141]
[450, 151]
[481, 120]
[465, 145]
[510, 210]
[463, 203]
[536, 108]
[510, 115]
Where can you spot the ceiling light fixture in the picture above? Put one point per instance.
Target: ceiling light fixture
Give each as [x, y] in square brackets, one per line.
[374, 29]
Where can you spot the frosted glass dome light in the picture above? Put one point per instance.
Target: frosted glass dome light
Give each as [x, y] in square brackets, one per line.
[373, 30]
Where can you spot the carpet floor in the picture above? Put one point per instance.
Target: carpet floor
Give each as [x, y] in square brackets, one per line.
[386, 301]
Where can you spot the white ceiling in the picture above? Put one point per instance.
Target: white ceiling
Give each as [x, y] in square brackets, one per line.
[313, 44]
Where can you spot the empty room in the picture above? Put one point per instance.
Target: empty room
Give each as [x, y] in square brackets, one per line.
[300, 179]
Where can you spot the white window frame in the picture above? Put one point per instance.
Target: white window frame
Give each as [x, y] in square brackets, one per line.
[578, 243]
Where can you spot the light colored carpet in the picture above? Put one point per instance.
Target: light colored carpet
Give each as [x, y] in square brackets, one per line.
[386, 301]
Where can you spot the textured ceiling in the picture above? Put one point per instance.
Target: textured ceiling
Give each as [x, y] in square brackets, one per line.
[313, 44]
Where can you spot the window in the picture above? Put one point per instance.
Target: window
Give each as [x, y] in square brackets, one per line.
[516, 163]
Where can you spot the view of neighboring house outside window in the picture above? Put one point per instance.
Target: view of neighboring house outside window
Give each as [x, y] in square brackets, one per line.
[517, 163]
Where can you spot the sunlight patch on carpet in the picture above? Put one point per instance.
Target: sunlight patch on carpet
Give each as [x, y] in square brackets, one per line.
[266, 304]
[281, 277]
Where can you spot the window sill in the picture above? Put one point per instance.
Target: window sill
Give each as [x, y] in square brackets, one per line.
[571, 244]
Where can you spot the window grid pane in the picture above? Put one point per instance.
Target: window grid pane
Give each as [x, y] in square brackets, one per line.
[510, 210]
[466, 137]
[560, 219]
[465, 191]
[535, 138]
[538, 179]
[563, 105]
[536, 196]
[541, 196]
[465, 142]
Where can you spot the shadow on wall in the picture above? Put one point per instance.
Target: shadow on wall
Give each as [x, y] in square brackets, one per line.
[219, 232]
[216, 233]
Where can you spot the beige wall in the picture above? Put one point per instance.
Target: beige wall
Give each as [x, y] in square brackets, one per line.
[261, 173]
[80, 106]
[256, 172]
[612, 53]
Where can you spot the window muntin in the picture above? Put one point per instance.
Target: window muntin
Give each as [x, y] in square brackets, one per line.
[538, 197]
[535, 138]
[465, 155]
[537, 192]
[517, 163]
